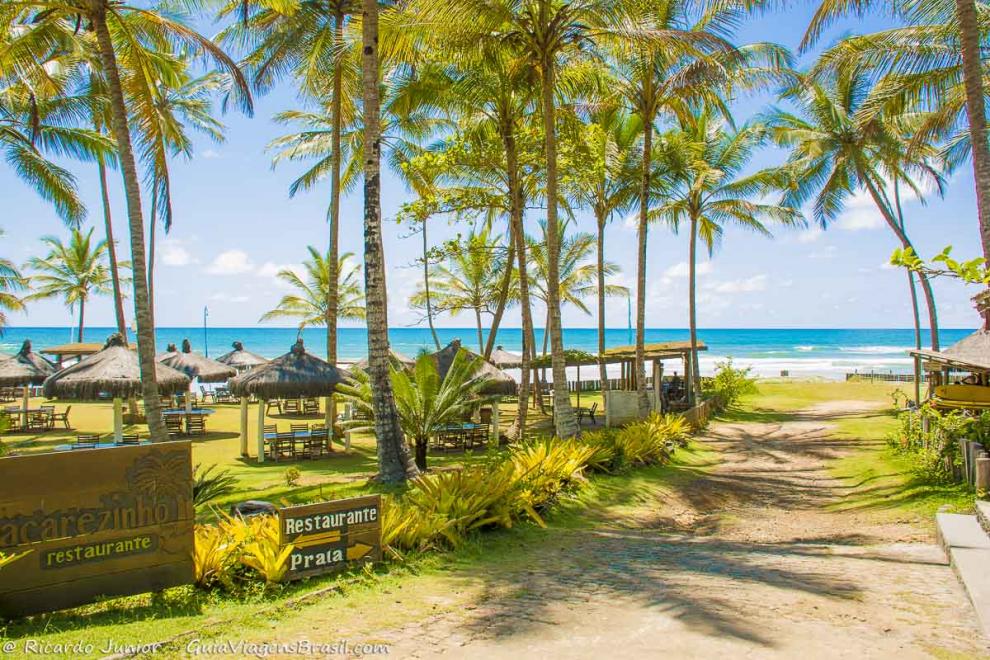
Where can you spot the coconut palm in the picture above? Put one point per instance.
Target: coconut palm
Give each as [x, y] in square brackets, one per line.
[942, 43]
[837, 150]
[122, 35]
[75, 272]
[606, 182]
[470, 280]
[309, 304]
[12, 282]
[705, 189]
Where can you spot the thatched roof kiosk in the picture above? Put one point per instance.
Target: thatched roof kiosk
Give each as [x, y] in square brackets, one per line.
[115, 371]
[295, 374]
[25, 368]
[198, 366]
[241, 359]
[503, 359]
[500, 383]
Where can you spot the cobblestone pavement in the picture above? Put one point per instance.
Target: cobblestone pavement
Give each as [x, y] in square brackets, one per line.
[744, 562]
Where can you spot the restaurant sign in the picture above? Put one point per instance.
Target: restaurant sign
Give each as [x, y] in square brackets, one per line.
[75, 526]
[328, 536]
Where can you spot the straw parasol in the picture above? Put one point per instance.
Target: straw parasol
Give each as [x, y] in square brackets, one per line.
[295, 374]
[115, 371]
[500, 383]
[503, 359]
[240, 359]
[395, 358]
[198, 366]
[23, 370]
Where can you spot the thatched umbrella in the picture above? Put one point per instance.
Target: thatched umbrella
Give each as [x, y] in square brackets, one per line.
[115, 371]
[197, 366]
[499, 382]
[395, 358]
[503, 359]
[240, 359]
[25, 369]
[295, 374]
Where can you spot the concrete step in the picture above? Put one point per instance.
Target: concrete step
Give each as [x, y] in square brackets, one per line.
[983, 515]
[967, 546]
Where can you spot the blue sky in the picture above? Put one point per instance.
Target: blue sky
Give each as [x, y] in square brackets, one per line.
[235, 226]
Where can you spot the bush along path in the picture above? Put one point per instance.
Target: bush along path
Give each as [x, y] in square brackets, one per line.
[766, 551]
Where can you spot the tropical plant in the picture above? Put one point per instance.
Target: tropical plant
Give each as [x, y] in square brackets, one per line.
[263, 549]
[74, 272]
[12, 282]
[426, 402]
[210, 484]
[836, 151]
[470, 281]
[704, 188]
[215, 554]
[124, 38]
[309, 306]
[728, 385]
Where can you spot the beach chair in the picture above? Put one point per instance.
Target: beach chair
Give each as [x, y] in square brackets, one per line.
[291, 407]
[273, 403]
[173, 424]
[86, 441]
[37, 421]
[196, 425]
[62, 417]
[317, 444]
[299, 428]
[311, 406]
[130, 439]
[587, 412]
[203, 392]
[284, 446]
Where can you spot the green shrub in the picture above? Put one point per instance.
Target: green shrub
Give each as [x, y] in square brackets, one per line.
[935, 456]
[209, 486]
[291, 476]
[728, 385]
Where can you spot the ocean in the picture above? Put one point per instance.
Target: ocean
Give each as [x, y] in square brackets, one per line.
[829, 353]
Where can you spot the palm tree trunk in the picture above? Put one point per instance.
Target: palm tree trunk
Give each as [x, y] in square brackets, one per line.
[152, 232]
[546, 332]
[426, 288]
[481, 332]
[504, 290]
[602, 371]
[926, 287]
[564, 418]
[334, 247]
[693, 311]
[118, 297]
[132, 190]
[395, 463]
[915, 311]
[517, 235]
[641, 236]
[82, 318]
[972, 69]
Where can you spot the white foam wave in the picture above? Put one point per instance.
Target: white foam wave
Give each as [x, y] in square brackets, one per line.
[875, 349]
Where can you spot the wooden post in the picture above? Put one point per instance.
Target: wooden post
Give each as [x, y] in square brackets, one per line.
[261, 430]
[983, 474]
[118, 420]
[24, 409]
[578, 384]
[189, 400]
[495, 419]
[244, 426]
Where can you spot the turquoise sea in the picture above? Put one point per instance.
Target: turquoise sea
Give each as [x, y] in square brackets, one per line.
[825, 352]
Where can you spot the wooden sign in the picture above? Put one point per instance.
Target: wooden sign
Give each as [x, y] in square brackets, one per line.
[89, 523]
[328, 536]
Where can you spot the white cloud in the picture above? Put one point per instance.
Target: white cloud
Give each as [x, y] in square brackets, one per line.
[827, 252]
[860, 213]
[810, 236]
[746, 285]
[269, 269]
[631, 221]
[682, 269]
[174, 254]
[210, 153]
[230, 262]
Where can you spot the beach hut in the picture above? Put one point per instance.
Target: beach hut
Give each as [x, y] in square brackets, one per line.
[499, 383]
[196, 365]
[503, 359]
[25, 369]
[295, 374]
[241, 359]
[572, 358]
[115, 371]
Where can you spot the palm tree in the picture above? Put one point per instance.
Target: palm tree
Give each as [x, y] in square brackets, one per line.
[122, 33]
[471, 280]
[309, 304]
[75, 272]
[706, 190]
[836, 150]
[394, 461]
[943, 40]
[606, 182]
[11, 283]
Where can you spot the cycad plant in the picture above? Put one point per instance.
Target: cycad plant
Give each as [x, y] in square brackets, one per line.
[75, 272]
[427, 402]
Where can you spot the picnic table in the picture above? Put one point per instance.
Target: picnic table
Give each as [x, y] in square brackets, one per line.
[183, 411]
[99, 445]
[461, 435]
[306, 444]
[29, 419]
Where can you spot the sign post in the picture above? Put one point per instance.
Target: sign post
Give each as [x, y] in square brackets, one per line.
[328, 536]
